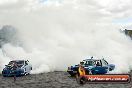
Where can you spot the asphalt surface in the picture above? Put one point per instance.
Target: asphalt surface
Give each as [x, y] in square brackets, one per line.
[53, 80]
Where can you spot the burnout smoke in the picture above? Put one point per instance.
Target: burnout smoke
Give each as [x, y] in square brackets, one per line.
[53, 35]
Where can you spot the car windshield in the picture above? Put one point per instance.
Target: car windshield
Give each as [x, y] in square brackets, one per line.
[18, 63]
[90, 62]
[98, 63]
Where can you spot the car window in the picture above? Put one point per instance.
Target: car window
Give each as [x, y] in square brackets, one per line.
[20, 63]
[11, 62]
[89, 63]
[17, 62]
[98, 63]
[84, 62]
[26, 63]
[104, 62]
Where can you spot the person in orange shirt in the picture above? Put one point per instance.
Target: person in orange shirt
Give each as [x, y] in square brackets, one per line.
[81, 74]
[81, 69]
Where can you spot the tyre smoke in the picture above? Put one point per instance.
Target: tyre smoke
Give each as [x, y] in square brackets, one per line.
[55, 36]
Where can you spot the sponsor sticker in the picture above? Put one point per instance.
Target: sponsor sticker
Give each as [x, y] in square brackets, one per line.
[120, 78]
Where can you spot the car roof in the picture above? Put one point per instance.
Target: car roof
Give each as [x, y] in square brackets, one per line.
[91, 59]
[18, 60]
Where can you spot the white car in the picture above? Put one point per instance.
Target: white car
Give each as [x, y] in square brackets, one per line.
[17, 68]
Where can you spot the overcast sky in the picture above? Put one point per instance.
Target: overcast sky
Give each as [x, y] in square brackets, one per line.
[118, 11]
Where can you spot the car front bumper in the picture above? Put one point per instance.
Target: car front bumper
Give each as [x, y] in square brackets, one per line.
[7, 73]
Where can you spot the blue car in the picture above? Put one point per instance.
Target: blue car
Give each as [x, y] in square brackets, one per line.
[92, 66]
[21, 67]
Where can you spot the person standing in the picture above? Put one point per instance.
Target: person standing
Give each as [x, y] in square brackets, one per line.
[14, 67]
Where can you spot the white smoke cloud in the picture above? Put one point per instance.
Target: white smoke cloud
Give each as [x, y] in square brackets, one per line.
[57, 34]
[5, 2]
